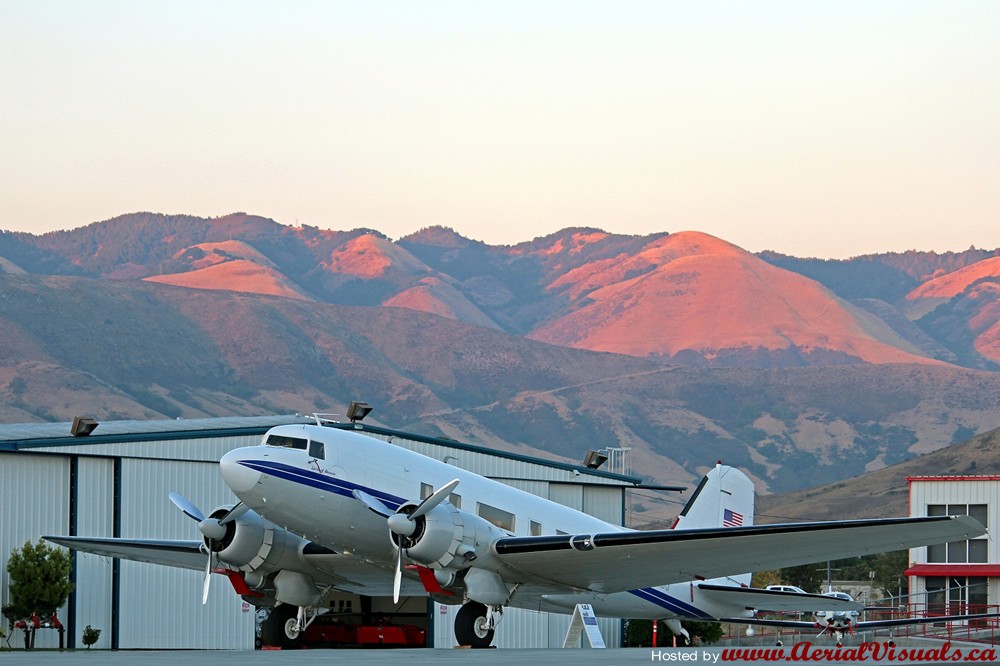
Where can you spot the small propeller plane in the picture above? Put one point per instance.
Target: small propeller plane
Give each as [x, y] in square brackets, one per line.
[834, 621]
[324, 509]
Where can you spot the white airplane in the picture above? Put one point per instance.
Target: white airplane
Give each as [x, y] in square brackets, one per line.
[324, 509]
[836, 621]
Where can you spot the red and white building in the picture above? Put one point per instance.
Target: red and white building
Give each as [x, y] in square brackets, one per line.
[961, 576]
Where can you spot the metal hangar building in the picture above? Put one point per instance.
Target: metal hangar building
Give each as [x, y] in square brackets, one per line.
[115, 480]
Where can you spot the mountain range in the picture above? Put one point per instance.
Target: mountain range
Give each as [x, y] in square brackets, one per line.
[680, 346]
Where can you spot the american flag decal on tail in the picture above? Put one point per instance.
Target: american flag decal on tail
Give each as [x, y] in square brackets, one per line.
[731, 518]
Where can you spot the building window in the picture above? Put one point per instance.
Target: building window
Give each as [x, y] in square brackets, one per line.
[502, 519]
[957, 595]
[973, 551]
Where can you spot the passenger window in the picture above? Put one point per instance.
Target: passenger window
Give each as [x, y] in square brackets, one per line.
[316, 450]
[535, 528]
[502, 519]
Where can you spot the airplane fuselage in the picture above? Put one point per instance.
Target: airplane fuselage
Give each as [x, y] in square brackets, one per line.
[309, 486]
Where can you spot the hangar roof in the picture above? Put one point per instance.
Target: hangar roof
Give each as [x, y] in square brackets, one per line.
[27, 436]
[18, 436]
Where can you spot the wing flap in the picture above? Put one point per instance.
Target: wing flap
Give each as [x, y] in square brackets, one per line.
[171, 553]
[620, 561]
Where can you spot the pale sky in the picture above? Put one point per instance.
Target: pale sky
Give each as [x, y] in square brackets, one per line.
[826, 129]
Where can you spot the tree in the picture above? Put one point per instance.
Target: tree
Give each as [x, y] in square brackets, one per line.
[806, 576]
[90, 636]
[39, 580]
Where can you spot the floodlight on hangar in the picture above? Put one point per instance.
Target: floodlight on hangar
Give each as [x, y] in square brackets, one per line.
[357, 411]
[594, 459]
[82, 426]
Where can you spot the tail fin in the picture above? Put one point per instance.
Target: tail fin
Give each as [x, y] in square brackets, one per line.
[724, 498]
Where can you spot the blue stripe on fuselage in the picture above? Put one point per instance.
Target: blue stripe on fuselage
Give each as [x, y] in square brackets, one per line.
[313, 479]
[664, 600]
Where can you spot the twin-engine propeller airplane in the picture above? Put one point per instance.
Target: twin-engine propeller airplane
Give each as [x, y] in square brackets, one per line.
[323, 509]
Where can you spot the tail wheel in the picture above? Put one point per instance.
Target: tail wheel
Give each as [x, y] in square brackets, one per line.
[472, 626]
[278, 630]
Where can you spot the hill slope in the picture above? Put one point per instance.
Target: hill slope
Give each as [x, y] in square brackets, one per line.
[693, 295]
[685, 297]
[884, 493]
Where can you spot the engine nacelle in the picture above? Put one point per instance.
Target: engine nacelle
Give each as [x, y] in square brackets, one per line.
[448, 538]
[258, 546]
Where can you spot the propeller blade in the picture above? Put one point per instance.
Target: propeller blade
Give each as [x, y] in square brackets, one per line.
[189, 509]
[435, 499]
[208, 578]
[397, 579]
[372, 503]
[234, 513]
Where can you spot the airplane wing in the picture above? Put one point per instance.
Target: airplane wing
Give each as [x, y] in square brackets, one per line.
[171, 553]
[750, 597]
[342, 571]
[859, 626]
[621, 561]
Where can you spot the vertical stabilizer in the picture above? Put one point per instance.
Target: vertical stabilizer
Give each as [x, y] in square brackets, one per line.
[724, 498]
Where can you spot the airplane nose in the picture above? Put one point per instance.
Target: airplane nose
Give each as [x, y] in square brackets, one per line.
[235, 472]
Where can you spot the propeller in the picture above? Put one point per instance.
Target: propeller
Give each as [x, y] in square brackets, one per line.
[372, 503]
[404, 524]
[213, 529]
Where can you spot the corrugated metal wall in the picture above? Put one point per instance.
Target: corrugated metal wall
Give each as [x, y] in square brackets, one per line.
[145, 511]
[34, 500]
[95, 497]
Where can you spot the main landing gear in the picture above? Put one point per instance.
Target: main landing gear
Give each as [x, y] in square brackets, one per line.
[281, 628]
[475, 624]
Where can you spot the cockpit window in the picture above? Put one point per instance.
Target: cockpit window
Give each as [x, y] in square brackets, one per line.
[287, 442]
[316, 450]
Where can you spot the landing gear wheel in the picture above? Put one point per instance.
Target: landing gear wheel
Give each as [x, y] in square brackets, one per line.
[472, 626]
[278, 630]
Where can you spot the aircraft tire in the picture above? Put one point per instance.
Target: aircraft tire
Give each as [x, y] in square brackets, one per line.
[276, 630]
[469, 623]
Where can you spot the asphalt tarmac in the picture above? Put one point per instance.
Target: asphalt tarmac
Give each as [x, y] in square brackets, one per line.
[327, 657]
[931, 652]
